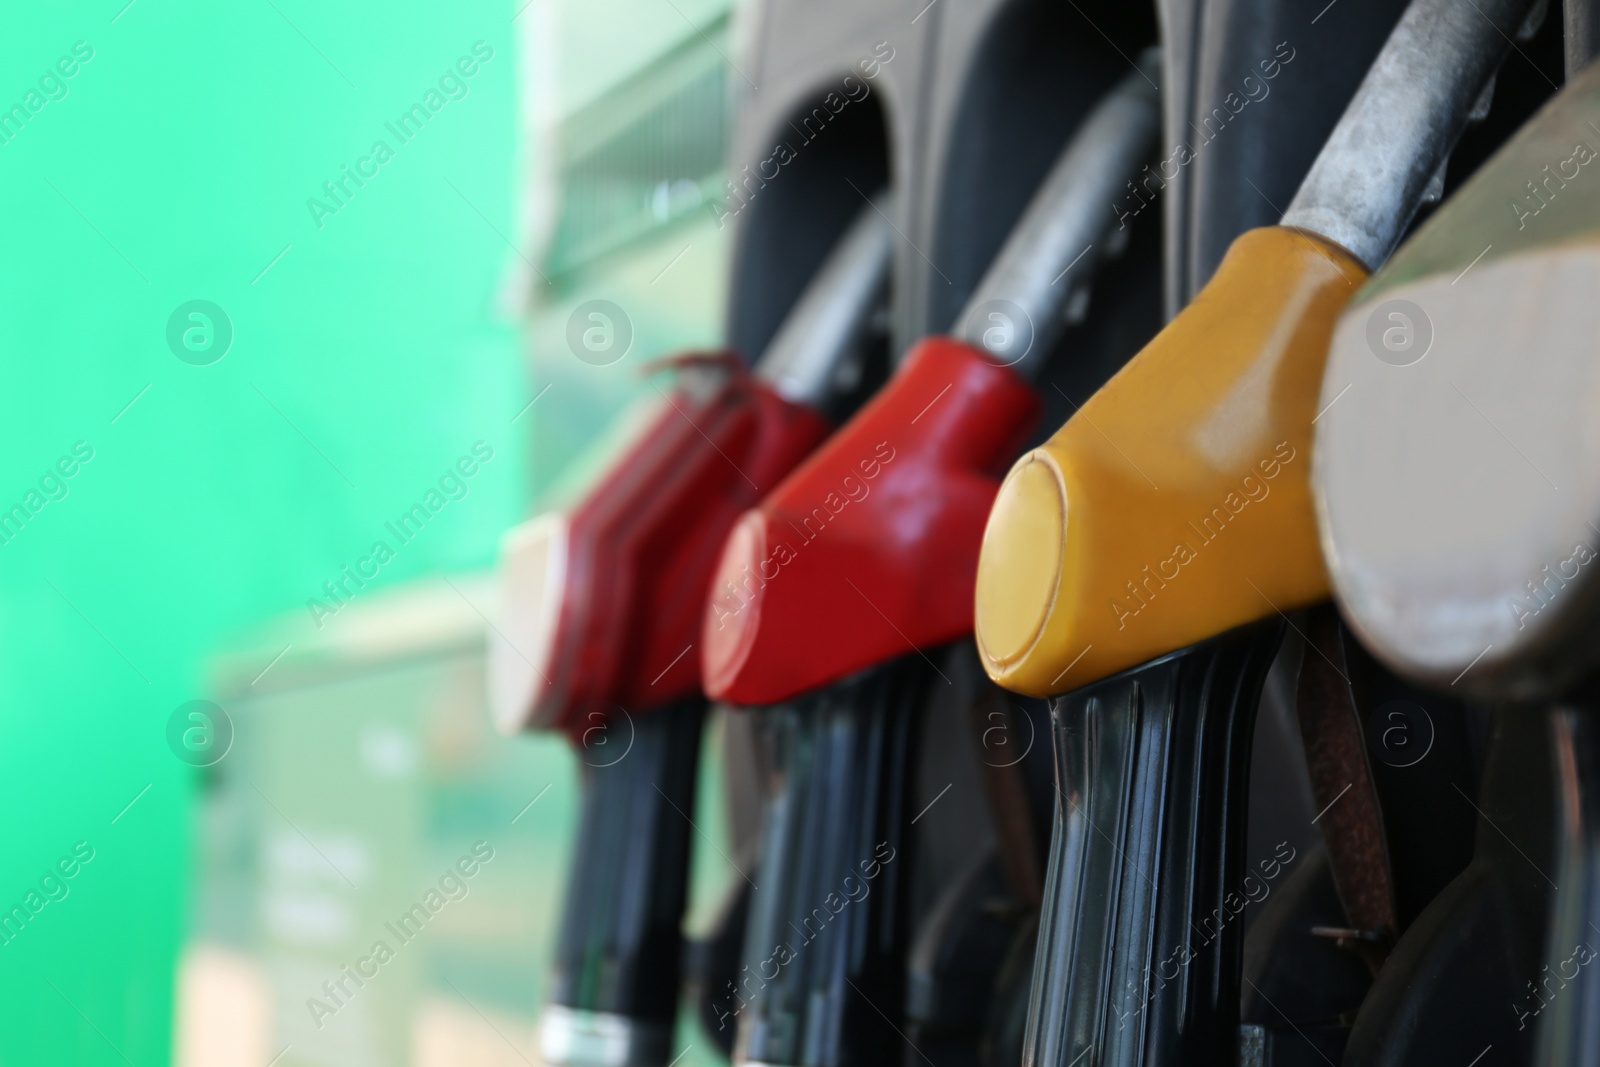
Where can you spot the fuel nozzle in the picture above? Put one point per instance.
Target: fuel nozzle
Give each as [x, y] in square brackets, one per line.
[1176, 504]
[602, 596]
[600, 619]
[867, 548]
[1457, 496]
[886, 518]
[1125, 557]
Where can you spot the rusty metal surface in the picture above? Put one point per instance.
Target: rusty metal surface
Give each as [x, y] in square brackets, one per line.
[1350, 816]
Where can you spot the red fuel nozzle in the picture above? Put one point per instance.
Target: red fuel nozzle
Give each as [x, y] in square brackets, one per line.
[619, 579]
[870, 548]
[603, 598]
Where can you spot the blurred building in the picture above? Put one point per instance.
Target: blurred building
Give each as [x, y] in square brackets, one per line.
[365, 775]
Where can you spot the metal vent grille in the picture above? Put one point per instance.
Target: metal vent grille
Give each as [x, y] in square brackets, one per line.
[645, 155]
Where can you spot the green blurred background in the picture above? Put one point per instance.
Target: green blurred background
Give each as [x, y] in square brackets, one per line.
[367, 355]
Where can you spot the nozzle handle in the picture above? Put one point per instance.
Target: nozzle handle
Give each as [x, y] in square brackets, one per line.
[1370, 178]
[1065, 229]
[826, 325]
[619, 945]
[1140, 937]
[826, 940]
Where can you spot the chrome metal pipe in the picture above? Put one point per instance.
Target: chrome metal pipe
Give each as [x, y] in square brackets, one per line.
[1067, 227]
[1400, 127]
[826, 325]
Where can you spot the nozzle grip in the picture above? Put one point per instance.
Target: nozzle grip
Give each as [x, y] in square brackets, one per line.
[1140, 939]
[829, 925]
[1571, 1032]
[619, 946]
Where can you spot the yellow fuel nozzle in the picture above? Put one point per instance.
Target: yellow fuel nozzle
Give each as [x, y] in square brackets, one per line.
[1176, 503]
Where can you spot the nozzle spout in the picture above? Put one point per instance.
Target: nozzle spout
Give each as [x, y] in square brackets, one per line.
[1401, 125]
[1056, 244]
[828, 322]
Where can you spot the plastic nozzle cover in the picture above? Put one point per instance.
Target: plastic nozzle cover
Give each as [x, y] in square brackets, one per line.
[606, 597]
[603, 600]
[1457, 473]
[868, 550]
[1176, 504]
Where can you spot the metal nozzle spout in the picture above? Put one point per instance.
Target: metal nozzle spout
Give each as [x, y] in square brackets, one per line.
[1400, 127]
[1056, 244]
[827, 323]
